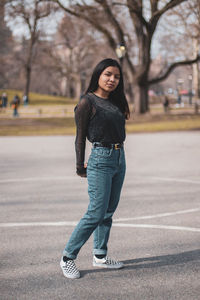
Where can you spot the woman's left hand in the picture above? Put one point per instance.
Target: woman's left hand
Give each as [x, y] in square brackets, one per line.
[83, 171]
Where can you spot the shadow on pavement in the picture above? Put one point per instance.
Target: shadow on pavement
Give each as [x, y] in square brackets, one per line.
[163, 260]
[154, 261]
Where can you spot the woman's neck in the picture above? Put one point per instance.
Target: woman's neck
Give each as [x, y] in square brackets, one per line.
[101, 93]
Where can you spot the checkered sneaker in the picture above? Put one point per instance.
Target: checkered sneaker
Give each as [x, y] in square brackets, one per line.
[107, 262]
[69, 269]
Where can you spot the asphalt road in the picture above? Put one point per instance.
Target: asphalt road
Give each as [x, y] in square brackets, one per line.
[156, 229]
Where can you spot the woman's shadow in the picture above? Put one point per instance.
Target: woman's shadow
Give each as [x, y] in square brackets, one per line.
[154, 261]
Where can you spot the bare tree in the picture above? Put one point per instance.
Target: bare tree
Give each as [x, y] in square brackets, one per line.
[72, 54]
[190, 21]
[142, 22]
[31, 13]
[6, 47]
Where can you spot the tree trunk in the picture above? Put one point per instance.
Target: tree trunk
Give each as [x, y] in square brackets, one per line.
[28, 66]
[141, 105]
[198, 70]
[28, 80]
[78, 88]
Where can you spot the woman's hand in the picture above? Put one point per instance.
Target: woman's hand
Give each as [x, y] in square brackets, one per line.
[83, 171]
[82, 174]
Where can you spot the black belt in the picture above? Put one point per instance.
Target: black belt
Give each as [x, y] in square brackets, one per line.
[107, 145]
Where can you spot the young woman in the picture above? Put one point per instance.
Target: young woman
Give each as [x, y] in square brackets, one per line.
[100, 116]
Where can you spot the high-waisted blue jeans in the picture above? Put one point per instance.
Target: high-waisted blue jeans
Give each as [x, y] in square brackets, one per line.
[105, 174]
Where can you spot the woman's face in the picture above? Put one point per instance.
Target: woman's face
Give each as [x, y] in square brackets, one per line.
[109, 79]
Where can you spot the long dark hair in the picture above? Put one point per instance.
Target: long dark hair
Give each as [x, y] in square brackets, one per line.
[117, 96]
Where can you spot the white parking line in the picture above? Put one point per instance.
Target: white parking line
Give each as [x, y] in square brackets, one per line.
[148, 226]
[36, 179]
[175, 179]
[179, 212]
[183, 228]
[73, 177]
[36, 224]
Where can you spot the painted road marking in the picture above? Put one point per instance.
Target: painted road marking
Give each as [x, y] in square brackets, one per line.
[57, 178]
[151, 226]
[148, 226]
[175, 180]
[159, 215]
[36, 179]
[36, 224]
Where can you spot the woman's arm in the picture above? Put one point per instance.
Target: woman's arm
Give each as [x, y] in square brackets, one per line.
[82, 117]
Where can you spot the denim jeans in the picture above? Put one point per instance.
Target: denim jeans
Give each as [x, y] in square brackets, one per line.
[105, 174]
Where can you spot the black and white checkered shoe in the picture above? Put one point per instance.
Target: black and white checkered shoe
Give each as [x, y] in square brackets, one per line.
[107, 262]
[69, 269]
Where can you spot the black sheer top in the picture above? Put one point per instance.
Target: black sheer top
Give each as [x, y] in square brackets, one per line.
[99, 120]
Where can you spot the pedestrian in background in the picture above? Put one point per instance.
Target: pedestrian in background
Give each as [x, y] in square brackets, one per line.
[25, 100]
[15, 104]
[100, 116]
[166, 104]
[4, 100]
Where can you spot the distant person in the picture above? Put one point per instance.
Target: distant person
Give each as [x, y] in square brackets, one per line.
[4, 100]
[25, 100]
[166, 104]
[100, 116]
[15, 104]
[179, 100]
[190, 94]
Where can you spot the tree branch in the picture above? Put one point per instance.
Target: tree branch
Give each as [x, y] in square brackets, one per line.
[112, 19]
[171, 4]
[118, 29]
[154, 6]
[172, 67]
[134, 10]
[98, 26]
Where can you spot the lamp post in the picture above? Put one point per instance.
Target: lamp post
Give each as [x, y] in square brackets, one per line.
[121, 52]
[190, 78]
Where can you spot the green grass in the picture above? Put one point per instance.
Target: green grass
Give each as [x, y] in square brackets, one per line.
[66, 125]
[170, 125]
[52, 115]
[39, 99]
[37, 126]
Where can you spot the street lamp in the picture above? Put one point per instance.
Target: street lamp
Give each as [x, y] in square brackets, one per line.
[121, 52]
[190, 78]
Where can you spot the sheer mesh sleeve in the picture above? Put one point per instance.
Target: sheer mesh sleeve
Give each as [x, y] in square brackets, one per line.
[82, 116]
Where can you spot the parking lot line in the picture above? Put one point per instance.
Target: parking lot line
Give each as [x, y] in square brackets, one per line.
[179, 212]
[152, 226]
[175, 179]
[57, 178]
[73, 223]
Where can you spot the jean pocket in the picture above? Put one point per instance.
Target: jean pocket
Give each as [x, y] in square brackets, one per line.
[102, 152]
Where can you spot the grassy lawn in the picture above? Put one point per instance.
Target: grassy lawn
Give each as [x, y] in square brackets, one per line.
[37, 126]
[53, 115]
[39, 99]
[66, 125]
[165, 125]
